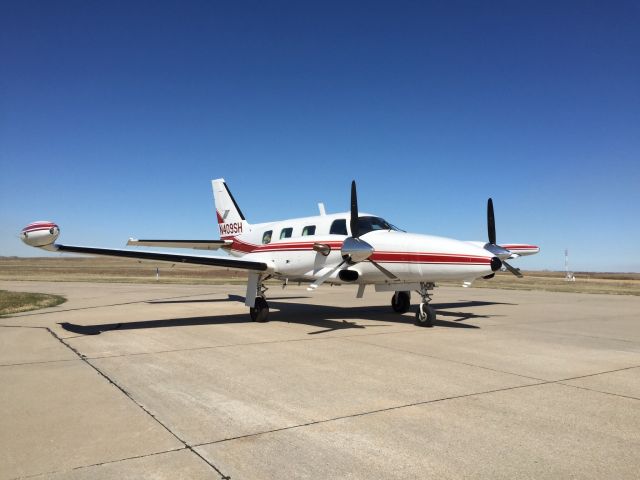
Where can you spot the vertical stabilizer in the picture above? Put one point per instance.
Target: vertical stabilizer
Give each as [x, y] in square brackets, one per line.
[230, 218]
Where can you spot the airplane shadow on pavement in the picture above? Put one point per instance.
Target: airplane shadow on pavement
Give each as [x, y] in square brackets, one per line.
[328, 318]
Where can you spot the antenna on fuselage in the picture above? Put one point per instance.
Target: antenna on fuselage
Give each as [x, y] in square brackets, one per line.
[321, 208]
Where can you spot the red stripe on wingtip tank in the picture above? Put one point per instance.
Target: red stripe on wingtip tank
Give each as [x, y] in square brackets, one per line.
[39, 226]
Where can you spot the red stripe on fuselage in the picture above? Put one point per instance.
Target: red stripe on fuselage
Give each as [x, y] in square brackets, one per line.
[381, 257]
[424, 257]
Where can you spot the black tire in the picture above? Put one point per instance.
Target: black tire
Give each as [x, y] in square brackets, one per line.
[425, 315]
[401, 302]
[260, 312]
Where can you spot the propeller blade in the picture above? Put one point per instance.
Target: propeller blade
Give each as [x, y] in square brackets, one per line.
[515, 271]
[491, 222]
[384, 270]
[355, 231]
[324, 277]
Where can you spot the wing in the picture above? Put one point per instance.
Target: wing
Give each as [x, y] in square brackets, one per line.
[164, 257]
[195, 244]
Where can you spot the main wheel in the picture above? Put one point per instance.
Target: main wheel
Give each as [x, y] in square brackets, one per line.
[260, 312]
[400, 302]
[425, 316]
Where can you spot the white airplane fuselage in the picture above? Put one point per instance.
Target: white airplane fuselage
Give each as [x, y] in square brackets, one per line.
[409, 257]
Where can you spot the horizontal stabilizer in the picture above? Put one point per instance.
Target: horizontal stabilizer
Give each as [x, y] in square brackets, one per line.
[195, 244]
[521, 249]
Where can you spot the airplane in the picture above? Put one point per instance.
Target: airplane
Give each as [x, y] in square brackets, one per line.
[340, 248]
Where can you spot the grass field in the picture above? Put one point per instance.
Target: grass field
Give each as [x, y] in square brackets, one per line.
[86, 269]
[15, 302]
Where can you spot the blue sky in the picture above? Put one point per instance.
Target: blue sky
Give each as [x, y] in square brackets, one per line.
[114, 116]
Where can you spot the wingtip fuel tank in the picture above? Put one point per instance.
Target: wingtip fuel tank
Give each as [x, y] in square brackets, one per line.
[40, 234]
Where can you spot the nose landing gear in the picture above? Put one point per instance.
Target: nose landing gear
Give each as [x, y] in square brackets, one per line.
[425, 315]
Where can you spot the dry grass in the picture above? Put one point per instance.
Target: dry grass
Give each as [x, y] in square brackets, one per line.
[15, 302]
[609, 283]
[102, 269]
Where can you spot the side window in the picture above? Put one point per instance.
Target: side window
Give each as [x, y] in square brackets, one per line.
[339, 227]
[266, 238]
[286, 232]
[309, 230]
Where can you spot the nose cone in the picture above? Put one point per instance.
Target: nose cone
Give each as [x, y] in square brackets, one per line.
[40, 234]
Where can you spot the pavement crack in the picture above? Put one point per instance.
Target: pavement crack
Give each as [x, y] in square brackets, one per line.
[142, 407]
[21, 326]
[38, 363]
[231, 345]
[561, 382]
[598, 391]
[448, 360]
[110, 462]
[598, 373]
[425, 402]
[372, 412]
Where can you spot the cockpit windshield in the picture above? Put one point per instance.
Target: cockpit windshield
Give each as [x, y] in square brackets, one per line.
[368, 224]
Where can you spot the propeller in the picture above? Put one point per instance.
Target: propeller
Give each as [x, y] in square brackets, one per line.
[492, 246]
[491, 222]
[355, 227]
[354, 249]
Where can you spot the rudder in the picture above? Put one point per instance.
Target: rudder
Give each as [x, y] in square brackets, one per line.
[231, 221]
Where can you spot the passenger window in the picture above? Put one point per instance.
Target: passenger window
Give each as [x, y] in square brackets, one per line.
[286, 233]
[309, 230]
[266, 238]
[339, 227]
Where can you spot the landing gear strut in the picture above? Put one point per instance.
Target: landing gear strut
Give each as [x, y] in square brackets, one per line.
[401, 301]
[426, 315]
[256, 299]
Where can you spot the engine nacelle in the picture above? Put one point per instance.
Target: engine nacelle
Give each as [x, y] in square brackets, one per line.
[40, 234]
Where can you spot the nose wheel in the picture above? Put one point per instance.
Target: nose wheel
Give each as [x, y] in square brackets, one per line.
[425, 315]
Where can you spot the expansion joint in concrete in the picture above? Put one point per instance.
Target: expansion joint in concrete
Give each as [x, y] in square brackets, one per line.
[142, 407]
[372, 412]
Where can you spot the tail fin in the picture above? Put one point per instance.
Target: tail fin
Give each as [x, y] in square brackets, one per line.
[230, 218]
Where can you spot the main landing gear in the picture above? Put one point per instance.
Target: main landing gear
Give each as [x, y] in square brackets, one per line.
[260, 312]
[258, 306]
[401, 302]
[425, 315]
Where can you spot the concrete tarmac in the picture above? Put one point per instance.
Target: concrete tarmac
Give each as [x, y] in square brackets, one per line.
[175, 381]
